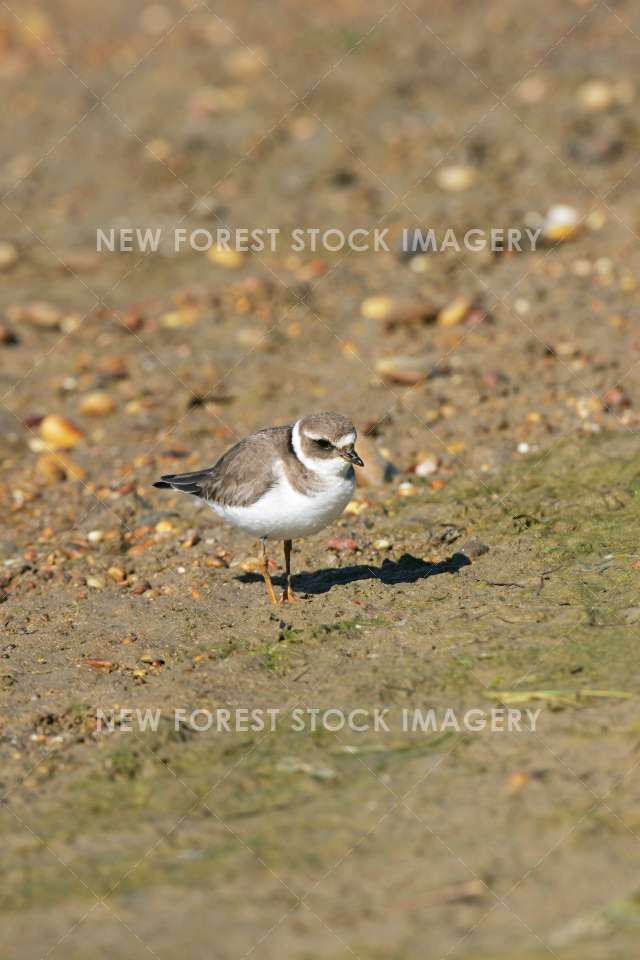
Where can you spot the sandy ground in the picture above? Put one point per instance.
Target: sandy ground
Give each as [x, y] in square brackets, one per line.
[496, 567]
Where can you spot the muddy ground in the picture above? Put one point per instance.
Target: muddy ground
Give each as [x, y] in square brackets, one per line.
[496, 567]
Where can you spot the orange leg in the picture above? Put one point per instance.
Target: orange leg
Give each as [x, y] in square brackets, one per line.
[264, 565]
[288, 596]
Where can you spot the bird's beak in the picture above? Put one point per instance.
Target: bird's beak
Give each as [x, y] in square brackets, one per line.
[349, 453]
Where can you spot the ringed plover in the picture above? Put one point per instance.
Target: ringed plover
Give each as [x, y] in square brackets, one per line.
[281, 483]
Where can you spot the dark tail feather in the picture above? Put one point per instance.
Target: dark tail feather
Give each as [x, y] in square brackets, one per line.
[183, 482]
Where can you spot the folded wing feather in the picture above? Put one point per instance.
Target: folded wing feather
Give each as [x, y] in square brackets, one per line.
[241, 476]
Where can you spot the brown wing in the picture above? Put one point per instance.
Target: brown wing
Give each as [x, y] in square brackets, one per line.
[241, 476]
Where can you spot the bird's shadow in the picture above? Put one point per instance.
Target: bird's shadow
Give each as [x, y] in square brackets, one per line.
[407, 569]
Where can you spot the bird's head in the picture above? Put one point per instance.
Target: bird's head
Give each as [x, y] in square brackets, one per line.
[325, 442]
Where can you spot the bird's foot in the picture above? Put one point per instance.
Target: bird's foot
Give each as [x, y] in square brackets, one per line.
[288, 596]
[271, 594]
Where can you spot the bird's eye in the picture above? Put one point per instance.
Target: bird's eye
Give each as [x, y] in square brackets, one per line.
[324, 444]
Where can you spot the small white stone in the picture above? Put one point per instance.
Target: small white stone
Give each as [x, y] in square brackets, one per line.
[456, 178]
[595, 95]
[603, 265]
[419, 265]
[561, 221]
[582, 267]
[406, 489]
[427, 466]
[382, 544]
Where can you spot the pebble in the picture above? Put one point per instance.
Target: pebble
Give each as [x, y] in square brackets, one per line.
[596, 220]
[303, 128]
[581, 267]
[59, 433]
[79, 261]
[355, 507]
[377, 469]
[209, 100]
[158, 149]
[117, 574]
[97, 404]
[561, 222]
[37, 314]
[456, 178]
[7, 336]
[133, 321]
[342, 544]
[152, 659]
[403, 369]
[251, 336]
[474, 548]
[50, 469]
[604, 266]
[616, 399]
[532, 89]
[595, 95]
[97, 663]
[8, 255]
[419, 264]
[395, 314]
[186, 316]
[376, 308]
[95, 536]
[455, 312]
[406, 489]
[382, 544]
[140, 587]
[410, 314]
[477, 316]
[517, 781]
[427, 466]
[114, 367]
[54, 468]
[243, 63]
[231, 259]
[97, 583]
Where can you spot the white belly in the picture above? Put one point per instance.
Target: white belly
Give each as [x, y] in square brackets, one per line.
[285, 514]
